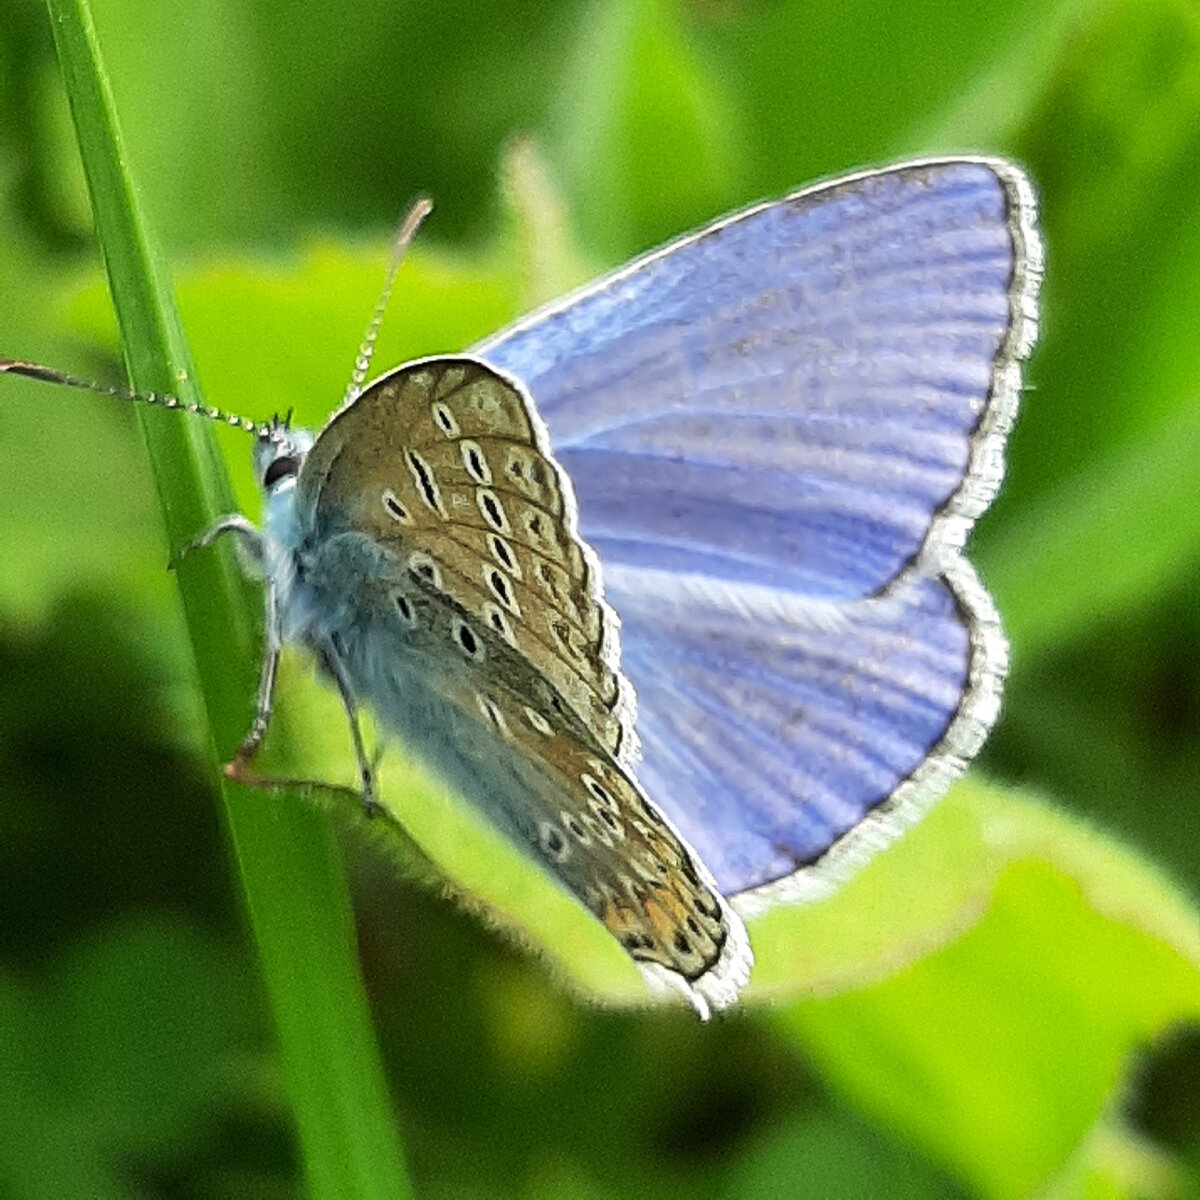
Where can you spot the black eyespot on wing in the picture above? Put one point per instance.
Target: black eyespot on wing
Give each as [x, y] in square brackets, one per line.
[397, 510]
[446, 422]
[467, 639]
[500, 587]
[492, 511]
[280, 468]
[420, 564]
[553, 842]
[425, 480]
[475, 463]
[501, 551]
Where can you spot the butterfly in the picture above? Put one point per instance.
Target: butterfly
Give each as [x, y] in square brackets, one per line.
[763, 446]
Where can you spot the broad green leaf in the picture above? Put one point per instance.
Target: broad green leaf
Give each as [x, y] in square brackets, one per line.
[822, 89]
[1000, 1051]
[1114, 146]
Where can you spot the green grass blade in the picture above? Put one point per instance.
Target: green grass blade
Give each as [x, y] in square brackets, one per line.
[292, 877]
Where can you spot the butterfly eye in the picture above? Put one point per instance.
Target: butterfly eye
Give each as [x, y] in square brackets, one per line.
[280, 468]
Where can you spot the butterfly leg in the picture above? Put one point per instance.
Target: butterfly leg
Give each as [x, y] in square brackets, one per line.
[330, 654]
[255, 546]
[238, 768]
[265, 696]
[251, 537]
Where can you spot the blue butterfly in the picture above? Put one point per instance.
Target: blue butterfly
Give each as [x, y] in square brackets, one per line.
[668, 577]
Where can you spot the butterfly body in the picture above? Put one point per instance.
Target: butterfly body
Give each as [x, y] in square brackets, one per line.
[780, 431]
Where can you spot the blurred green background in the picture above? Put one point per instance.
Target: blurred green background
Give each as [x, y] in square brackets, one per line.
[1005, 1004]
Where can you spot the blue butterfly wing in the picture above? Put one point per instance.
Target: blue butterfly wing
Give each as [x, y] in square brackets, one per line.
[787, 397]
[771, 726]
[808, 401]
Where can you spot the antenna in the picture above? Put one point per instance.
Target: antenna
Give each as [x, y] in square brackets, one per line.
[12, 366]
[265, 431]
[421, 208]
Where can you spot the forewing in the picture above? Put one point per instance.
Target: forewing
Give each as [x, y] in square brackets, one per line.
[801, 395]
[479, 630]
[444, 463]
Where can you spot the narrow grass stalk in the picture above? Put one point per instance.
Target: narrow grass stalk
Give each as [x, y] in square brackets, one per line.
[289, 867]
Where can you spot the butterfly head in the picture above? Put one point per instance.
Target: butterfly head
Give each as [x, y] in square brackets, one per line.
[279, 452]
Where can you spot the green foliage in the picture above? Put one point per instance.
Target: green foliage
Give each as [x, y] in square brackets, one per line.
[84, 1093]
[985, 1009]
